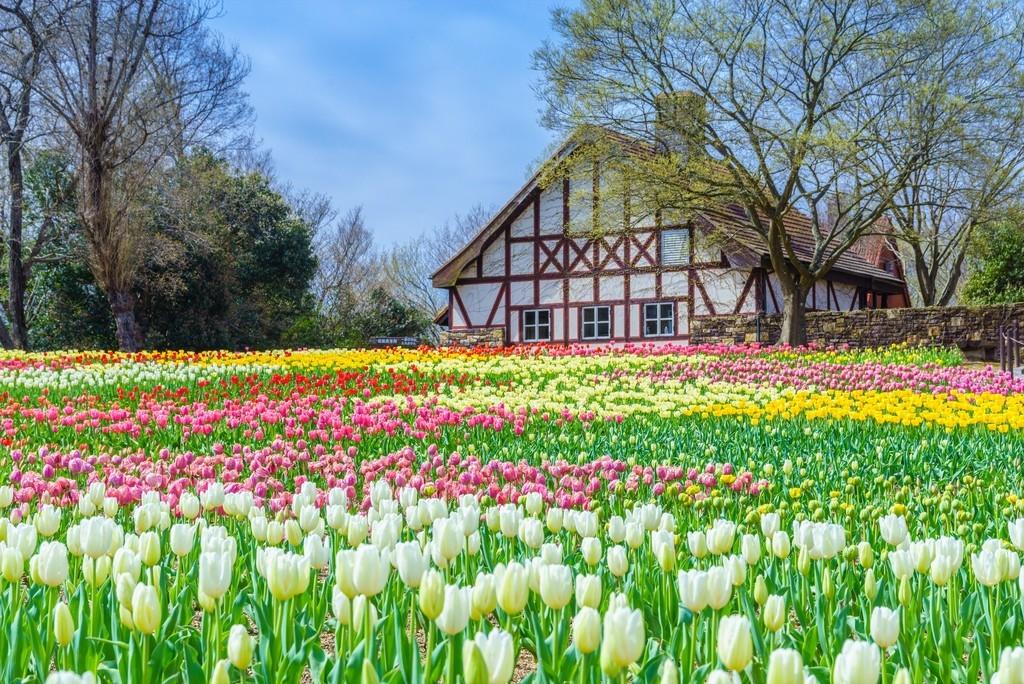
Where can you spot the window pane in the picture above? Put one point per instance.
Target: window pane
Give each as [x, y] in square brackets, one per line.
[543, 332]
[588, 330]
[588, 315]
[603, 314]
[603, 330]
[651, 327]
[666, 311]
[530, 317]
[543, 317]
[650, 310]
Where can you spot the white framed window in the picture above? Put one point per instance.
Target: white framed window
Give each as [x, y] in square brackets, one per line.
[675, 247]
[537, 325]
[597, 322]
[659, 319]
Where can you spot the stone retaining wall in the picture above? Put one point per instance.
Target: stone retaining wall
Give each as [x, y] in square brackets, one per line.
[970, 328]
[477, 337]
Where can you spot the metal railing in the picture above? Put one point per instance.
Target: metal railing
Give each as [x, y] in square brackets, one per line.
[1011, 346]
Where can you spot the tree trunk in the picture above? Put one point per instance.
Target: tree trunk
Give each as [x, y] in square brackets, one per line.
[122, 306]
[15, 267]
[794, 316]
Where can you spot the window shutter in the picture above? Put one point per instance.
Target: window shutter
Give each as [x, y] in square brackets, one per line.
[675, 247]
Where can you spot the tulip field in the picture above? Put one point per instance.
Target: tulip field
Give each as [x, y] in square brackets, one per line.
[536, 514]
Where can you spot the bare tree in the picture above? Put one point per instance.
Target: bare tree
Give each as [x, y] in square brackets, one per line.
[974, 171]
[24, 27]
[790, 110]
[135, 82]
[409, 266]
[349, 266]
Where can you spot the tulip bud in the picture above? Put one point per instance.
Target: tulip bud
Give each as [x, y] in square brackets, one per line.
[885, 627]
[774, 613]
[750, 547]
[215, 568]
[124, 586]
[183, 538]
[432, 594]
[590, 548]
[12, 564]
[827, 588]
[240, 647]
[666, 557]
[697, 541]
[513, 589]
[220, 673]
[455, 614]
[370, 570]
[145, 609]
[870, 585]
[785, 666]
[63, 624]
[125, 615]
[586, 630]
[369, 673]
[760, 590]
[780, 545]
[865, 555]
[588, 591]
[735, 645]
[292, 532]
[904, 593]
[669, 673]
[474, 669]
[50, 564]
[803, 562]
[555, 586]
[623, 641]
[902, 677]
[719, 587]
[618, 565]
[857, 663]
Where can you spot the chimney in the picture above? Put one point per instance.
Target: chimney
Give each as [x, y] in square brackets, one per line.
[679, 122]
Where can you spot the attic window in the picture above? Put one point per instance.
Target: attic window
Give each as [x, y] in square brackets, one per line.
[675, 247]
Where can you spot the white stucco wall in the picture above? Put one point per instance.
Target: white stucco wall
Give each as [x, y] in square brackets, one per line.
[641, 286]
[478, 300]
[522, 226]
[581, 289]
[522, 258]
[723, 286]
[612, 287]
[675, 284]
[550, 292]
[521, 293]
[581, 204]
[494, 259]
[551, 210]
[846, 294]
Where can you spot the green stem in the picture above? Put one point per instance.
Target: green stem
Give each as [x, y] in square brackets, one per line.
[430, 649]
[144, 648]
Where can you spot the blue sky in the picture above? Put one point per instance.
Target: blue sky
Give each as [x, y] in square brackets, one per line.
[415, 110]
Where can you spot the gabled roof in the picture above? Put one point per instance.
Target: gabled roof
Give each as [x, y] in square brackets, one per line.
[733, 222]
[730, 219]
[449, 272]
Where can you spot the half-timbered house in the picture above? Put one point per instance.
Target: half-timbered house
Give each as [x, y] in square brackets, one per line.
[554, 265]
